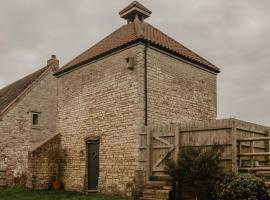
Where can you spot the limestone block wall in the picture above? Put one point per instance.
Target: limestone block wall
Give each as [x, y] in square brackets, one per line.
[40, 175]
[16, 132]
[178, 91]
[103, 100]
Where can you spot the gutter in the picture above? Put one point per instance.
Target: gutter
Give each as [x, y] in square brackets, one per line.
[145, 86]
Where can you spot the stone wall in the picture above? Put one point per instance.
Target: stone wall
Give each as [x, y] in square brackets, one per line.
[40, 174]
[16, 132]
[3, 167]
[178, 91]
[103, 100]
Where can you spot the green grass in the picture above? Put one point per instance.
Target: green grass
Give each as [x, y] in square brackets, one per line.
[20, 193]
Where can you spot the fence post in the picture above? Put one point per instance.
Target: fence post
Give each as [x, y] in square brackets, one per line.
[177, 141]
[177, 149]
[268, 147]
[234, 147]
[149, 152]
[252, 164]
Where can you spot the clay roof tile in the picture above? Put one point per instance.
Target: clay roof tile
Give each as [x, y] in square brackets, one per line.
[134, 31]
[9, 93]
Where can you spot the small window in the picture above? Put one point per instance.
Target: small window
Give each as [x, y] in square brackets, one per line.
[130, 62]
[35, 119]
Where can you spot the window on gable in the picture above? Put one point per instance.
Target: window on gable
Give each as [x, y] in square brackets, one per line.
[35, 119]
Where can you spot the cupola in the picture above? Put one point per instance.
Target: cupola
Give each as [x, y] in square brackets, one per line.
[135, 10]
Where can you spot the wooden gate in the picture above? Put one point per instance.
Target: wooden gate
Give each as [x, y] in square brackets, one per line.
[163, 144]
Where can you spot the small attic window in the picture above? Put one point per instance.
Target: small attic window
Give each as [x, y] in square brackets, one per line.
[35, 119]
[130, 62]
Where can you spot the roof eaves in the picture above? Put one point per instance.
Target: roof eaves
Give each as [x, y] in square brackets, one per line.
[212, 68]
[139, 39]
[66, 70]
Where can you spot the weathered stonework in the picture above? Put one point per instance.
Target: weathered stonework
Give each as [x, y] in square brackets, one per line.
[178, 91]
[105, 99]
[16, 132]
[102, 100]
[108, 93]
[39, 174]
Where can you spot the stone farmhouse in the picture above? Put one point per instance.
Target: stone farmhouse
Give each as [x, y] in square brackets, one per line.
[28, 112]
[99, 105]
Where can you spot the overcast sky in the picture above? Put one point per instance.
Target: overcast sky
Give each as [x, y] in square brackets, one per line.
[234, 35]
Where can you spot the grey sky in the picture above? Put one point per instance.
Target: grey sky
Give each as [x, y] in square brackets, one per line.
[234, 35]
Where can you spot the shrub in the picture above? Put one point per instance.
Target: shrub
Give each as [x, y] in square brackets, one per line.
[197, 169]
[241, 186]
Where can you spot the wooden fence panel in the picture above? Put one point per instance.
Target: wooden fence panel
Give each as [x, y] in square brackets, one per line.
[162, 140]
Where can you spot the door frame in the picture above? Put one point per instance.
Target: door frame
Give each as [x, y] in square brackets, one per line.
[95, 140]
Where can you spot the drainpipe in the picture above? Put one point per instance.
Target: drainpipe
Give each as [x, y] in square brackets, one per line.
[145, 86]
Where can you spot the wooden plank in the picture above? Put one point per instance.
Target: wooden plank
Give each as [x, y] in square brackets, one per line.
[253, 139]
[177, 142]
[255, 154]
[149, 153]
[255, 146]
[252, 152]
[267, 145]
[240, 151]
[163, 141]
[167, 135]
[207, 145]
[254, 169]
[206, 129]
[161, 147]
[234, 147]
[163, 157]
[251, 130]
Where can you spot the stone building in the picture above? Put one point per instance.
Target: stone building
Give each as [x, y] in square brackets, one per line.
[27, 117]
[106, 96]
[110, 92]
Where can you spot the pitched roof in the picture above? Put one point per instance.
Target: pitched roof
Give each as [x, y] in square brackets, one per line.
[132, 32]
[9, 93]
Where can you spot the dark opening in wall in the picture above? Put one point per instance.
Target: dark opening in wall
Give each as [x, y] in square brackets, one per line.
[130, 63]
[35, 119]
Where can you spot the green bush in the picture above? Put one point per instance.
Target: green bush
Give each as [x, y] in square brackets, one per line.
[241, 186]
[197, 169]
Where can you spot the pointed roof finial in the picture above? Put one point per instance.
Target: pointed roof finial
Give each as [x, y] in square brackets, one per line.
[135, 9]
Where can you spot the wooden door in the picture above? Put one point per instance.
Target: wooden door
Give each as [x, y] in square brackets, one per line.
[93, 164]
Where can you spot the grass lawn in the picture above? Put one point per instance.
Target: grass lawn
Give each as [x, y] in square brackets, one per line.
[20, 193]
